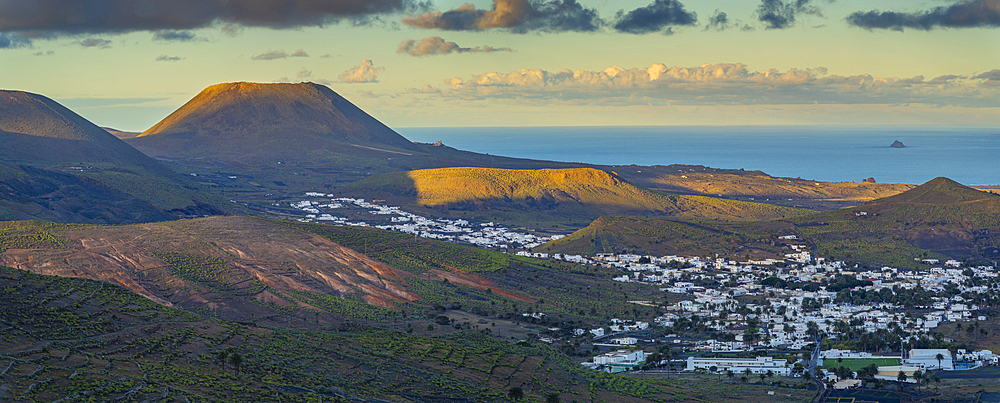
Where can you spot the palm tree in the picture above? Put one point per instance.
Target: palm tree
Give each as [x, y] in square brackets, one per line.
[807, 376]
[770, 374]
[901, 377]
[552, 398]
[919, 376]
[515, 393]
[730, 374]
[939, 358]
[237, 361]
[222, 356]
[762, 377]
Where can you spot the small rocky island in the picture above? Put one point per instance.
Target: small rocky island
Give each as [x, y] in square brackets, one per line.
[897, 144]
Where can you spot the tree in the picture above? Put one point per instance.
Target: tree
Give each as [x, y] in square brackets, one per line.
[221, 356]
[552, 398]
[762, 376]
[237, 360]
[919, 376]
[730, 374]
[807, 376]
[939, 358]
[515, 393]
[901, 377]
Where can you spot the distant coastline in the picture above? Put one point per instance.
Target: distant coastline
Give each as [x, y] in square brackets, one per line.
[836, 154]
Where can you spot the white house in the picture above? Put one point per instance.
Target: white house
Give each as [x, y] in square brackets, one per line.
[757, 365]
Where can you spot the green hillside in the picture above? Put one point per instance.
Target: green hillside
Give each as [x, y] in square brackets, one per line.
[660, 237]
[84, 340]
[79, 340]
[567, 195]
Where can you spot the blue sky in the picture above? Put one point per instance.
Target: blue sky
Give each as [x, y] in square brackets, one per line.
[129, 63]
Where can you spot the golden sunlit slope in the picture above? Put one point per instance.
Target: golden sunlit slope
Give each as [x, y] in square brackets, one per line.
[55, 165]
[260, 121]
[571, 193]
[760, 185]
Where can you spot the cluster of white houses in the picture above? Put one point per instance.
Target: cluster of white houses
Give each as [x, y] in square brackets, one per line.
[714, 286]
[488, 235]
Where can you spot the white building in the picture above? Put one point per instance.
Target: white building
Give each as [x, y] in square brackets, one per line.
[927, 359]
[619, 361]
[757, 365]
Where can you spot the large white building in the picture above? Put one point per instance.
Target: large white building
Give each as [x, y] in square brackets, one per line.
[618, 361]
[927, 358]
[757, 365]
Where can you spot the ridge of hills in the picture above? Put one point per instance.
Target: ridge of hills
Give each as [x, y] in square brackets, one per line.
[305, 137]
[68, 339]
[570, 194]
[760, 186]
[939, 219]
[251, 269]
[56, 165]
[939, 190]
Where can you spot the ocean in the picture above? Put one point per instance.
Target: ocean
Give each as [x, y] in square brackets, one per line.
[836, 154]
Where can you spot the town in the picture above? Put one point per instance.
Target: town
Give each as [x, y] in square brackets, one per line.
[745, 309]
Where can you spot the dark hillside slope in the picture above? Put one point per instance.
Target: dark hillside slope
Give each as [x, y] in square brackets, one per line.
[56, 165]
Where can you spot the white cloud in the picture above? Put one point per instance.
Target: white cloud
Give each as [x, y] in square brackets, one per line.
[435, 45]
[719, 84]
[366, 72]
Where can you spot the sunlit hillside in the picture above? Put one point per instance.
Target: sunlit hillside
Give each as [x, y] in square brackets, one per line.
[582, 193]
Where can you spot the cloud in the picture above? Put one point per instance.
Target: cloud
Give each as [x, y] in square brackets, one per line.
[165, 58]
[94, 43]
[946, 78]
[48, 53]
[719, 21]
[13, 41]
[303, 74]
[963, 14]
[778, 14]
[270, 55]
[366, 72]
[435, 45]
[656, 17]
[520, 16]
[720, 84]
[231, 30]
[279, 54]
[426, 89]
[173, 36]
[992, 78]
[75, 17]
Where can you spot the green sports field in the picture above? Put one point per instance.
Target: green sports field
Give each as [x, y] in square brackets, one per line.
[855, 364]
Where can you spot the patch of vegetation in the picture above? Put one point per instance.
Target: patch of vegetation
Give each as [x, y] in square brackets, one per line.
[412, 253]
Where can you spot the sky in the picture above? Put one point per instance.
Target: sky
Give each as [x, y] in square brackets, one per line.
[128, 63]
